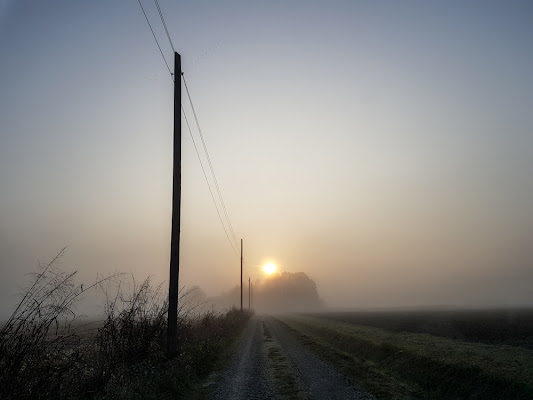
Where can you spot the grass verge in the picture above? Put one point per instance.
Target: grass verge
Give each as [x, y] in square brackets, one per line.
[413, 366]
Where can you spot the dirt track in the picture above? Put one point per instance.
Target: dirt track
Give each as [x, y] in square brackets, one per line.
[246, 376]
[270, 364]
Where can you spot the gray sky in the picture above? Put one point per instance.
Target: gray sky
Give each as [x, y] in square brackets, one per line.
[384, 148]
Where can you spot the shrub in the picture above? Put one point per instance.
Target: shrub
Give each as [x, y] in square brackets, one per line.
[42, 354]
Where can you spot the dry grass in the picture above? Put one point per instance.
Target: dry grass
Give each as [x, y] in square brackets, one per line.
[47, 352]
[39, 352]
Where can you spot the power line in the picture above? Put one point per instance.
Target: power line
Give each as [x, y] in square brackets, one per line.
[209, 162]
[157, 42]
[164, 24]
[207, 181]
[228, 221]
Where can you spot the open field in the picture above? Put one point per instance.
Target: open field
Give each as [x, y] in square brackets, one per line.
[503, 326]
[392, 364]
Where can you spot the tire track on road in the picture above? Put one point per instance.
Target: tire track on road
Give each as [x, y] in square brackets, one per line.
[269, 363]
[246, 377]
[320, 380]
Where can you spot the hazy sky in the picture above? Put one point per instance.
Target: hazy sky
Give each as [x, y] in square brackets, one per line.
[384, 148]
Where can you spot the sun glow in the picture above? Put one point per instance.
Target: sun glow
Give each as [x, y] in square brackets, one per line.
[269, 268]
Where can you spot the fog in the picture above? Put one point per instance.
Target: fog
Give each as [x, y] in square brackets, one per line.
[280, 292]
[384, 150]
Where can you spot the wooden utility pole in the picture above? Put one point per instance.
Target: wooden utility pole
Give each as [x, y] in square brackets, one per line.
[249, 294]
[241, 274]
[172, 328]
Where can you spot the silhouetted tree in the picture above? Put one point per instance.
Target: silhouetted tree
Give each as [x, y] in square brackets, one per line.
[287, 292]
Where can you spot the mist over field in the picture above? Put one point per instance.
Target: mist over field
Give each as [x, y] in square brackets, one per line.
[384, 150]
[279, 293]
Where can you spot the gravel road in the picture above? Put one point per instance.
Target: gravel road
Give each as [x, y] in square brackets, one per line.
[320, 380]
[248, 376]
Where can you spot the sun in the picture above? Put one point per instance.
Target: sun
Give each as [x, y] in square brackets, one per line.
[269, 268]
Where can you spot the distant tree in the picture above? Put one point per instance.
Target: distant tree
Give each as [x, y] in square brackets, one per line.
[287, 292]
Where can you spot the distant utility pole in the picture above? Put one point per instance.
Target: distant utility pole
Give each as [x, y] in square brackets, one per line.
[241, 274]
[249, 294]
[172, 327]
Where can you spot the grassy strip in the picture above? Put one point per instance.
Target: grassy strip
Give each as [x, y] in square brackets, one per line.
[399, 365]
[366, 373]
[280, 369]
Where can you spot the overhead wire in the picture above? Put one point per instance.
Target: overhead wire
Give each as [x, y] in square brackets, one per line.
[157, 42]
[233, 244]
[209, 162]
[164, 25]
[207, 180]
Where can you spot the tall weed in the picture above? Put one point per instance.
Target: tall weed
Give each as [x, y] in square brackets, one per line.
[44, 353]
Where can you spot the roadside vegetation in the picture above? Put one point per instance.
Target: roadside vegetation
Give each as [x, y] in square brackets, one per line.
[403, 365]
[47, 352]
